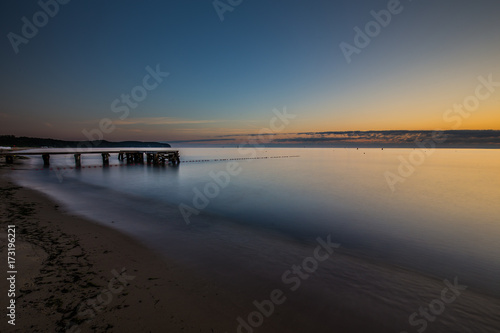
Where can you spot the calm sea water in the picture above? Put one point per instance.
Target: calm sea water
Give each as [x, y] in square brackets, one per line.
[443, 220]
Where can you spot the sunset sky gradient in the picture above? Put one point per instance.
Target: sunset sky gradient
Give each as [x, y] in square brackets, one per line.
[226, 77]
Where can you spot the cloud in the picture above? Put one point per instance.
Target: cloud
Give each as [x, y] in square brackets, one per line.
[198, 141]
[396, 138]
[240, 135]
[162, 121]
[389, 138]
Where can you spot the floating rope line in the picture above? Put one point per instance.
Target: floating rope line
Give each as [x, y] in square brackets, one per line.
[238, 159]
[55, 168]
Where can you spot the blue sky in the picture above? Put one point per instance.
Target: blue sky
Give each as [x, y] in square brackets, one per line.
[226, 77]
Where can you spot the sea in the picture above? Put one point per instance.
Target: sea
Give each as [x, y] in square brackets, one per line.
[245, 216]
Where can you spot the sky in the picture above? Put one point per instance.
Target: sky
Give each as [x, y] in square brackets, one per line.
[205, 71]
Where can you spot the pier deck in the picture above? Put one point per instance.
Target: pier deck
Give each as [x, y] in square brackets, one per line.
[156, 156]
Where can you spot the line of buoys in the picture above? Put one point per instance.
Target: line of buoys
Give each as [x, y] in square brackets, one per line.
[185, 161]
[236, 159]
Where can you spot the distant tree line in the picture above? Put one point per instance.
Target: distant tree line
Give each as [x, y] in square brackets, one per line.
[23, 141]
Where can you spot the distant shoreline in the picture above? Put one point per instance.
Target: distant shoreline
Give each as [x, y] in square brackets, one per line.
[29, 142]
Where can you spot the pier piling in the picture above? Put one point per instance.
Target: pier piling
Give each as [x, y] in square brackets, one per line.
[78, 160]
[139, 158]
[105, 159]
[46, 159]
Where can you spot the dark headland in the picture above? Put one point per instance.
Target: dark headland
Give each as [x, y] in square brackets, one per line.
[23, 141]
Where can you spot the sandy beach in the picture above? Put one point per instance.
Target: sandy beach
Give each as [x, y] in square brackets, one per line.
[78, 276]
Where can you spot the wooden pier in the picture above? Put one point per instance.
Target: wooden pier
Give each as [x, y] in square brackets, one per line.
[136, 156]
